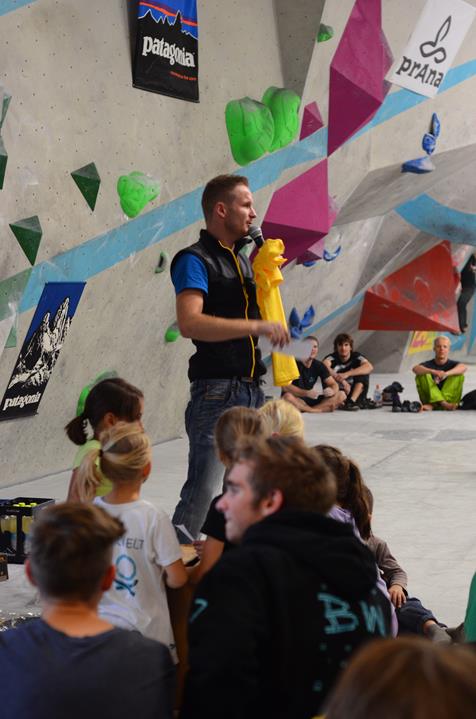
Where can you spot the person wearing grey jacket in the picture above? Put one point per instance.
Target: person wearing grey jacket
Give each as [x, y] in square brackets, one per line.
[412, 616]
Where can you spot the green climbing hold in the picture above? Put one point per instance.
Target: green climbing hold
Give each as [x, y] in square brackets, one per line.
[4, 109]
[28, 233]
[284, 107]
[172, 333]
[325, 33]
[107, 374]
[135, 191]
[88, 180]
[3, 162]
[250, 129]
[12, 338]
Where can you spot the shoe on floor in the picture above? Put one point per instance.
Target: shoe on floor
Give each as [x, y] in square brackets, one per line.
[350, 406]
[438, 634]
[457, 633]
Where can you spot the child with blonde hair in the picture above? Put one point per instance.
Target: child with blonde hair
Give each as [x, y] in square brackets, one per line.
[281, 417]
[148, 556]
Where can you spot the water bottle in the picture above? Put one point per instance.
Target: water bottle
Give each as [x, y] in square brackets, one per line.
[378, 396]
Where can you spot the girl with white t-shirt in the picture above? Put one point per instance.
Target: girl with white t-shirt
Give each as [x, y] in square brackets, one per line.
[148, 556]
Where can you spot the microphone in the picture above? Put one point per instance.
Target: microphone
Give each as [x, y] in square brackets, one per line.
[256, 235]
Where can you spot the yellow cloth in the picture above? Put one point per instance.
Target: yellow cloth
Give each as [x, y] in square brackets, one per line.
[268, 277]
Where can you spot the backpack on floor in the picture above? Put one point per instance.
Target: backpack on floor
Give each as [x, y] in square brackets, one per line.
[469, 400]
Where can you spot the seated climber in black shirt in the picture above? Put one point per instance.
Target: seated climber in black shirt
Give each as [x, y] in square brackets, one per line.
[351, 371]
[303, 394]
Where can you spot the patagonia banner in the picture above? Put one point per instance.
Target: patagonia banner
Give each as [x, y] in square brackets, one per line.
[436, 38]
[166, 57]
[42, 345]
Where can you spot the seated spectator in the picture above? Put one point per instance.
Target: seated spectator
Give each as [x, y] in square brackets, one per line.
[412, 616]
[280, 417]
[149, 555]
[351, 371]
[351, 505]
[276, 619]
[274, 417]
[303, 393]
[406, 679]
[70, 662]
[110, 401]
[440, 380]
[234, 423]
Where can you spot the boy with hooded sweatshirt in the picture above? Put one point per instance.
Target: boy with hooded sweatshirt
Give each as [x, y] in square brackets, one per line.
[276, 620]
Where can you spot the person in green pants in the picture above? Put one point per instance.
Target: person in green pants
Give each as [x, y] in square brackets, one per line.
[440, 380]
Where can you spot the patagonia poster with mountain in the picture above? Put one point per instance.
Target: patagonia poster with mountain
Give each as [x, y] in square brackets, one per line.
[166, 55]
[42, 345]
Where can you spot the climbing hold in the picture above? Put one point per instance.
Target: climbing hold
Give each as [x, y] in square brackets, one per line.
[435, 125]
[311, 120]
[135, 191]
[329, 256]
[28, 233]
[107, 374]
[250, 128]
[309, 263]
[88, 181]
[172, 333]
[284, 107]
[4, 108]
[163, 262]
[298, 325]
[428, 143]
[12, 338]
[418, 166]
[3, 162]
[325, 33]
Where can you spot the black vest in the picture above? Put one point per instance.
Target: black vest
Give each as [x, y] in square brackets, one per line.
[231, 294]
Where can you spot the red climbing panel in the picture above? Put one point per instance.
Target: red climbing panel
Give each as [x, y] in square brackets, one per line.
[418, 296]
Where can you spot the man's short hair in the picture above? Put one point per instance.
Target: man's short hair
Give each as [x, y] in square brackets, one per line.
[220, 189]
[441, 337]
[313, 338]
[341, 338]
[71, 549]
[287, 464]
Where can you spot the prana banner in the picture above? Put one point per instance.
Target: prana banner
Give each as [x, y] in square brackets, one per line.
[166, 57]
[435, 40]
[41, 348]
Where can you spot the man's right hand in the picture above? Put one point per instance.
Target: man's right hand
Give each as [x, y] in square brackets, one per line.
[277, 333]
[312, 393]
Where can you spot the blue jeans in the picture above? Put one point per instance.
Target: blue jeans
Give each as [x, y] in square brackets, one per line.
[412, 615]
[209, 399]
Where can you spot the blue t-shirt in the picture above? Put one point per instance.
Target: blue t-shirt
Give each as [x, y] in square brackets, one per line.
[49, 674]
[190, 273]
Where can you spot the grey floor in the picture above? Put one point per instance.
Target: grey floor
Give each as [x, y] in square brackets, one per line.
[420, 467]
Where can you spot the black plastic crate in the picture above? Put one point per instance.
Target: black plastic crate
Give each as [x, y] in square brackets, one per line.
[16, 516]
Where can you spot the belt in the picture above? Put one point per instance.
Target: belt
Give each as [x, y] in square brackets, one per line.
[248, 380]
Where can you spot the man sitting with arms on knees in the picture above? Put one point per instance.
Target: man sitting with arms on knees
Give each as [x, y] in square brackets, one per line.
[70, 663]
[351, 371]
[277, 618]
[440, 380]
[301, 392]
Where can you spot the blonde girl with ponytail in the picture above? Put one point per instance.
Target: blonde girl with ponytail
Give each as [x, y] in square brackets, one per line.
[148, 556]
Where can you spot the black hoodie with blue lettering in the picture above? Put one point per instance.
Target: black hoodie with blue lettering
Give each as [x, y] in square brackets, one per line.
[276, 620]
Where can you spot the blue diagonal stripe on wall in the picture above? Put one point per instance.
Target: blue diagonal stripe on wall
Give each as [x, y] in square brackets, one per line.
[10, 5]
[103, 252]
[430, 216]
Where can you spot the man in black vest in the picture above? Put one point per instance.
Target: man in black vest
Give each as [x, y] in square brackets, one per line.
[218, 311]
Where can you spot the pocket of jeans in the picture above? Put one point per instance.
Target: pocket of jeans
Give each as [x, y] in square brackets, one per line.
[218, 391]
